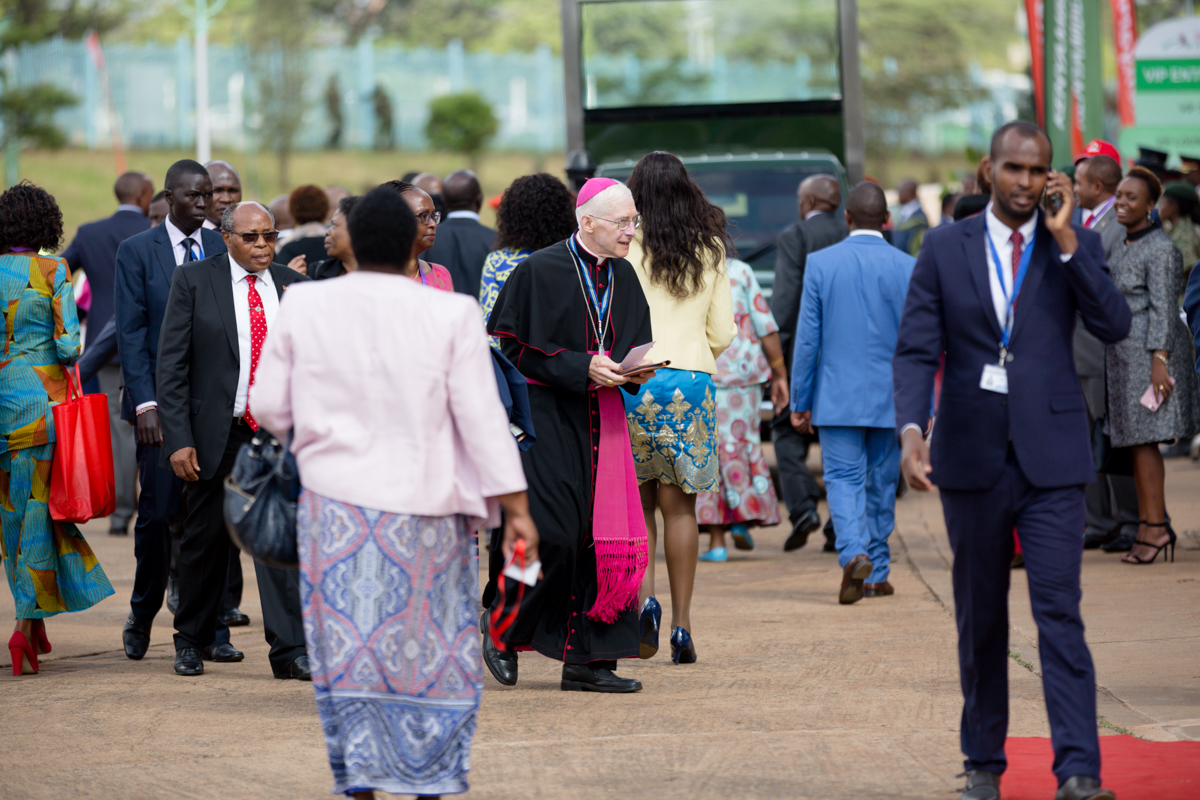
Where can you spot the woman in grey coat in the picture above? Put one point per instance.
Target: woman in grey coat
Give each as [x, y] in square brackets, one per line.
[1148, 269]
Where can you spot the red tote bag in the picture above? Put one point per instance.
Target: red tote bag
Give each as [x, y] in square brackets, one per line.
[82, 486]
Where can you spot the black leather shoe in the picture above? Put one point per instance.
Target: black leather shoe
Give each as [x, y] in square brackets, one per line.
[501, 663]
[222, 653]
[830, 537]
[297, 670]
[234, 618]
[188, 661]
[800, 531]
[1094, 539]
[136, 637]
[981, 785]
[1121, 544]
[1083, 787]
[586, 678]
[172, 596]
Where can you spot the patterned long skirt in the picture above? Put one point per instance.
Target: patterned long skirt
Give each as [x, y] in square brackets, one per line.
[390, 605]
[746, 493]
[672, 430]
[49, 566]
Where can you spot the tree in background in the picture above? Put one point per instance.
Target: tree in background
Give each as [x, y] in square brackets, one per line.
[281, 30]
[27, 111]
[461, 123]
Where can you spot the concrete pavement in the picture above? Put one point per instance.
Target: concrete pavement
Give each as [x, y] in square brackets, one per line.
[794, 696]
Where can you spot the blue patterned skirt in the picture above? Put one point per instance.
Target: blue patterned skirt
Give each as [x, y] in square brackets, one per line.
[673, 430]
[390, 618]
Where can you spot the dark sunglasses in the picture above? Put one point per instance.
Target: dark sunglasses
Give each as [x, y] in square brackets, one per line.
[251, 238]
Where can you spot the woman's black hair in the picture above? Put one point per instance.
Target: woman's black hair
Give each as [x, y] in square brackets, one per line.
[535, 212]
[1153, 184]
[678, 223]
[381, 225]
[29, 217]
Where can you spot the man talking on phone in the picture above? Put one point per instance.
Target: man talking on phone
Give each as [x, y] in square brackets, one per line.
[998, 295]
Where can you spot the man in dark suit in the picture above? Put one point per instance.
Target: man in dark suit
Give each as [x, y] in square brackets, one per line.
[145, 264]
[998, 294]
[463, 242]
[911, 222]
[820, 226]
[217, 319]
[94, 251]
[1112, 508]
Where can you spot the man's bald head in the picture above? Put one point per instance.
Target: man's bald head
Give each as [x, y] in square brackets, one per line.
[907, 190]
[227, 189]
[461, 191]
[279, 210]
[429, 183]
[134, 189]
[819, 193]
[866, 207]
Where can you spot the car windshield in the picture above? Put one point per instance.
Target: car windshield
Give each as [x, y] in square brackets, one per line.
[699, 52]
[759, 202]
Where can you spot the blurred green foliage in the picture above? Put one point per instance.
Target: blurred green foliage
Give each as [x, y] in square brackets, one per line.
[460, 123]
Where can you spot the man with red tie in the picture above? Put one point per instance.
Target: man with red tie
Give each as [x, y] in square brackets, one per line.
[218, 316]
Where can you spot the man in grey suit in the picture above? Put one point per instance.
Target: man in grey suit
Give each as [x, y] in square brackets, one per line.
[1112, 511]
[819, 226]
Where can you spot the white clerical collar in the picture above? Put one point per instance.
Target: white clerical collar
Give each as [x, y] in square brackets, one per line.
[464, 214]
[861, 232]
[599, 258]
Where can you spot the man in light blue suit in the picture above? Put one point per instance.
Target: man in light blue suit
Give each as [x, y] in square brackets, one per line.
[842, 383]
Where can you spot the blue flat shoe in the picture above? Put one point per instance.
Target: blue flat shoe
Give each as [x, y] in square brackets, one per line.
[683, 649]
[715, 554]
[741, 537]
[648, 622]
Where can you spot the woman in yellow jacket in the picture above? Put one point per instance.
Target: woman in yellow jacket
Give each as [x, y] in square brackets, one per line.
[679, 258]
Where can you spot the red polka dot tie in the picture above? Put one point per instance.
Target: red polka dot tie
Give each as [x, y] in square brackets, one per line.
[258, 335]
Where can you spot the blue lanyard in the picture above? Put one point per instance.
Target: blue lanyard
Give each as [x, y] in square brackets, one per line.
[1017, 281]
[599, 303]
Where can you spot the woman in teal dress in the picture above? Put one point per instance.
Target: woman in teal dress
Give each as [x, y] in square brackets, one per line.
[50, 568]
[535, 212]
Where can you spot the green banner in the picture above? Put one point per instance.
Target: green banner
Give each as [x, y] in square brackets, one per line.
[1177, 75]
[1074, 91]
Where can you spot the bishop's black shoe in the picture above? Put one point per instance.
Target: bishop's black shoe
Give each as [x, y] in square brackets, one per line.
[235, 618]
[586, 678]
[136, 638]
[501, 663]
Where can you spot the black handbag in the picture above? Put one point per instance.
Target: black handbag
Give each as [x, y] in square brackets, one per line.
[260, 501]
[1107, 459]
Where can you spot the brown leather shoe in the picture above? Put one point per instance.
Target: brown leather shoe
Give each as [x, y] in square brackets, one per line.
[878, 589]
[857, 571]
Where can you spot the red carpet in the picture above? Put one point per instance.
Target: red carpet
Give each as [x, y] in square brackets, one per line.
[1134, 769]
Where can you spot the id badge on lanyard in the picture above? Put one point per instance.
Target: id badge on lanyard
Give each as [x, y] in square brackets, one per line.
[995, 376]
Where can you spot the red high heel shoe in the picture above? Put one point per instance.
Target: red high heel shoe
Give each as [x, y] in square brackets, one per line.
[22, 654]
[39, 632]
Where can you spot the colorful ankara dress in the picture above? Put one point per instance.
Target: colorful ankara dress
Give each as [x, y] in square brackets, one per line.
[401, 457]
[49, 566]
[496, 269]
[746, 493]
[542, 320]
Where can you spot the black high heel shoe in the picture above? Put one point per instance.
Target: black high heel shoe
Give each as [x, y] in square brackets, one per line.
[1169, 544]
[683, 649]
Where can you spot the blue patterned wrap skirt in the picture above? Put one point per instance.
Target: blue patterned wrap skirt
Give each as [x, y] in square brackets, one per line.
[673, 430]
[390, 619]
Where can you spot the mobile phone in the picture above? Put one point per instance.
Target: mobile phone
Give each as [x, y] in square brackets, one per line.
[1054, 200]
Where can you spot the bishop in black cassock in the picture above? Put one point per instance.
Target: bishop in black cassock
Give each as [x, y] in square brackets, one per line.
[547, 322]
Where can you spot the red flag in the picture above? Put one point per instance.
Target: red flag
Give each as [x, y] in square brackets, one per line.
[1125, 37]
[1034, 13]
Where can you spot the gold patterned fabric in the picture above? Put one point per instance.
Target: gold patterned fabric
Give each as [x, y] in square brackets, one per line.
[672, 427]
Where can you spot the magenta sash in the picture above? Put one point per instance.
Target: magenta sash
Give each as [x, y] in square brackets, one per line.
[618, 527]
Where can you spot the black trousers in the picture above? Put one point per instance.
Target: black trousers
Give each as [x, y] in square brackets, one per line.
[204, 567]
[980, 525]
[800, 489]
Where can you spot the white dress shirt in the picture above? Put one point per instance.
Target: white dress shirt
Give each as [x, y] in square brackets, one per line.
[178, 247]
[179, 250]
[265, 286]
[908, 209]
[212, 226]
[463, 214]
[861, 232]
[1093, 215]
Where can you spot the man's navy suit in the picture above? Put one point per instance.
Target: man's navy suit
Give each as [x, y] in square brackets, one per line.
[145, 266]
[1011, 460]
[461, 246]
[94, 251]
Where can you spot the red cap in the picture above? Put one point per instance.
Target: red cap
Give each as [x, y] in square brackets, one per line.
[1099, 147]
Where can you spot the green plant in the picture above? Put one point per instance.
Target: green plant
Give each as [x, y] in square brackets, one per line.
[27, 112]
[460, 123]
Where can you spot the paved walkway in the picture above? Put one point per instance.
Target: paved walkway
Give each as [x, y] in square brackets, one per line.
[794, 696]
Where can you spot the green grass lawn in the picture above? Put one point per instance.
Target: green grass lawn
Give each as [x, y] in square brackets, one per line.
[82, 180]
